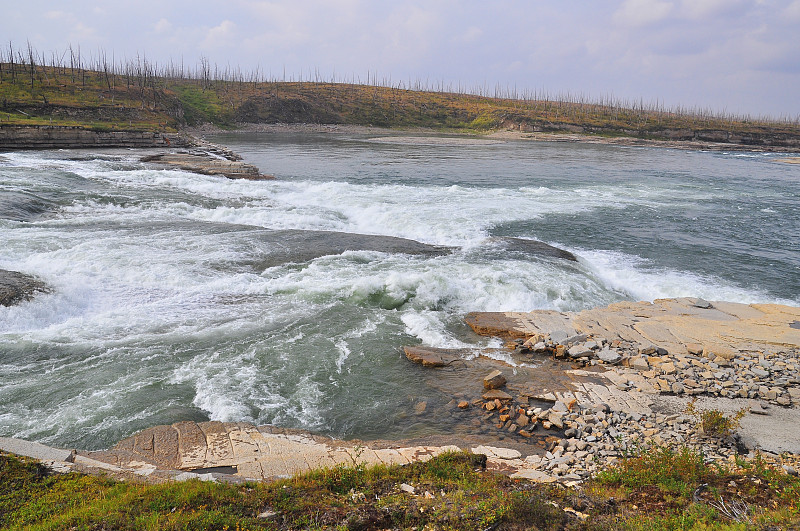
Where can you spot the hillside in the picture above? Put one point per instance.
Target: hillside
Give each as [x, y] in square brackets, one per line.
[139, 99]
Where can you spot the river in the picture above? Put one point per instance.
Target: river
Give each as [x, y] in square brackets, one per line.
[178, 296]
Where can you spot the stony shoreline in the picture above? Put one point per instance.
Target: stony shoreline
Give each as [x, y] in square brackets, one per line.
[564, 430]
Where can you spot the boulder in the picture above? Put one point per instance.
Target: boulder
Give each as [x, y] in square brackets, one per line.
[556, 419]
[696, 349]
[580, 351]
[494, 380]
[16, 287]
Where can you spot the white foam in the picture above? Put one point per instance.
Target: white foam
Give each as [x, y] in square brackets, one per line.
[638, 279]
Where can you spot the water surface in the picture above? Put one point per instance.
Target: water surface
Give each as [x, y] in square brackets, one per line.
[187, 297]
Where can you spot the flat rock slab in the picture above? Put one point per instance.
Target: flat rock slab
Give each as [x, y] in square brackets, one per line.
[36, 450]
[433, 357]
[246, 451]
[724, 345]
[722, 328]
[209, 165]
[535, 248]
[237, 452]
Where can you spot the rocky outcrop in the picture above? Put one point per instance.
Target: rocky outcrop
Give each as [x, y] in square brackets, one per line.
[14, 138]
[17, 287]
[207, 164]
[582, 414]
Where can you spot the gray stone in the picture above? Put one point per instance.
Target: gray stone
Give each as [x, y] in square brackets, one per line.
[609, 356]
[556, 419]
[572, 340]
[702, 303]
[558, 336]
[761, 373]
[579, 351]
[405, 487]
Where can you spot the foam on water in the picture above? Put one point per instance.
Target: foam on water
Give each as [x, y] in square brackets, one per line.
[640, 279]
[155, 316]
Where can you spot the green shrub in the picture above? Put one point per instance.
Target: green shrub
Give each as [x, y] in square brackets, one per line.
[713, 421]
[675, 471]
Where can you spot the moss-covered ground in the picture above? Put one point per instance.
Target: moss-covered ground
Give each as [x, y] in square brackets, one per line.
[657, 489]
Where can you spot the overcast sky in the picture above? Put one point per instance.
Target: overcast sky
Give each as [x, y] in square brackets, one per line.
[739, 56]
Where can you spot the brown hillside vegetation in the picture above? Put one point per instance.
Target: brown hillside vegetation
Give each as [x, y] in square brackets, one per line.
[143, 96]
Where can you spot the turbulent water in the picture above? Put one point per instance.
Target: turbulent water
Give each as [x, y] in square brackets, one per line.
[177, 296]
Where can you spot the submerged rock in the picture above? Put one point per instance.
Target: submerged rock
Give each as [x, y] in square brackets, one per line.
[22, 206]
[304, 245]
[536, 247]
[16, 287]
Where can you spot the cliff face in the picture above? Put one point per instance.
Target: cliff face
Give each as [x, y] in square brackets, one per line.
[13, 137]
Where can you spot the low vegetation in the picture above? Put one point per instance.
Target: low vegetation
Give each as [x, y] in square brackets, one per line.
[659, 488]
[70, 89]
[713, 421]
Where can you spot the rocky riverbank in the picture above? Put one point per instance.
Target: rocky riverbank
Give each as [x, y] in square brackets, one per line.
[636, 374]
[586, 389]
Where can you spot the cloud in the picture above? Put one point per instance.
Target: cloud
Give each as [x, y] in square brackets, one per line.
[701, 9]
[162, 26]
[221, 36]
[792, 11]
[471, 34]
[726, 53]
[55, 15]
[642, 12]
